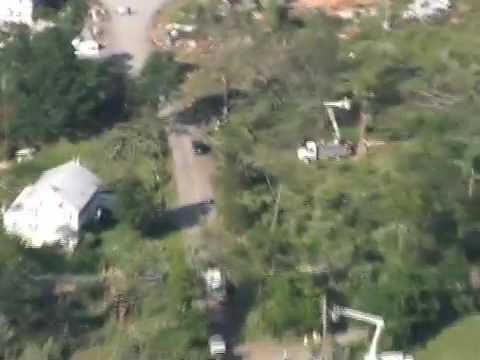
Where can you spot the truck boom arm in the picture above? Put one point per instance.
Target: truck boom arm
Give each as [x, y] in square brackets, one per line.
[369, 318]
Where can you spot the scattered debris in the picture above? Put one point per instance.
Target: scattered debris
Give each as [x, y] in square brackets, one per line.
[180, 27]
[41, 25]
[243, 5]
[424, 10]
[21, 12]
[348, 32]
[346, 9]
[97, 14]
[17, 11]
[85, 45]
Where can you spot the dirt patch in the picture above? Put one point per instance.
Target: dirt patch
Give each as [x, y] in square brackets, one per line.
[262, 350]
[4, 165]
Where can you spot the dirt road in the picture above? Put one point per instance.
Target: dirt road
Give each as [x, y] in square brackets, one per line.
[129, 34]
[192, 172]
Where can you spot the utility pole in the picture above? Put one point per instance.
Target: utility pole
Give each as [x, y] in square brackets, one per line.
[324, 316]
[4, 115]
[226, 89]
[387, 22]
[471, 182]
[326, 352]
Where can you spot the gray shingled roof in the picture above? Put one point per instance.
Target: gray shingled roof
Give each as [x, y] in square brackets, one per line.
[74, 183]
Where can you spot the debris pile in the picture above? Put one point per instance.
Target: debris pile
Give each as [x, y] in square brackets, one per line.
[179, 36]
[427, 9]
[346, 9]
[85, 45]
[88, 43]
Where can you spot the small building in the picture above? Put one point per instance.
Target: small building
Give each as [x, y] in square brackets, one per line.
[53, 210]
[17, 11]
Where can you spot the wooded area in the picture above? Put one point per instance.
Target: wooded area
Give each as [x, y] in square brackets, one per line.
[394, 232]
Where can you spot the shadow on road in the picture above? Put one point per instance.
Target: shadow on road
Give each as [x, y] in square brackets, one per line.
[180, 218]
[179, 129]
[203, 110]
[119, 63]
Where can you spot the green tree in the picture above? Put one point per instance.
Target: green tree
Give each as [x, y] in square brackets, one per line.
[54, 94]
[134, 203]
[160, 78]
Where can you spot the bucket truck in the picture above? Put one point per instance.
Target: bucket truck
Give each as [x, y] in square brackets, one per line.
[310, 150]
[379, 323]
[329, 105]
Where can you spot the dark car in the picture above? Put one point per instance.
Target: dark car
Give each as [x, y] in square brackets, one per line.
[200, 148]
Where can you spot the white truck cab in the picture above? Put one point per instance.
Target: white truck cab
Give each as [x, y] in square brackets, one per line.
[217, 346]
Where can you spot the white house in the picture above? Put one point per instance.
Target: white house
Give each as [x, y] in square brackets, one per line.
[53, 210]
[17, 11]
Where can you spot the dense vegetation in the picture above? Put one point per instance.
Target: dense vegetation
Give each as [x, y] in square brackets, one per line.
[108, 300]
[392, 232]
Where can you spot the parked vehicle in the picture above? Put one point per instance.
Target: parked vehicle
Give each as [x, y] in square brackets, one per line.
[200, 148]
[217, 346]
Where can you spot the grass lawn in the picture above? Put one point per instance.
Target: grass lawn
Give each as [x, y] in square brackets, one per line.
[459, 341]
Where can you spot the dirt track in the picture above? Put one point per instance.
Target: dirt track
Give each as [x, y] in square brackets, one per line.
[129, 35]
[192, 172]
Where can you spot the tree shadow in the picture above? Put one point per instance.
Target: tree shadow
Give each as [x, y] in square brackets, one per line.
[203, 110]
[389, 81]
[241, 301]
[180, 218]
[116, 107]
[119, 62]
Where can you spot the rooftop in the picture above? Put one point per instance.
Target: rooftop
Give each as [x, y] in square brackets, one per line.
[73, 182]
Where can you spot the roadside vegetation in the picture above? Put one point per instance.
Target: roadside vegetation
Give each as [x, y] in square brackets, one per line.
[127, 290]
[393, 232]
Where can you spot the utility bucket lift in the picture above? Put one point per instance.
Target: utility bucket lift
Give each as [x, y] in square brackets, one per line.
[310, 150]
[339, 311]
